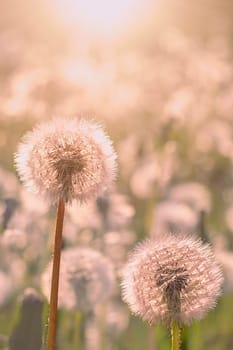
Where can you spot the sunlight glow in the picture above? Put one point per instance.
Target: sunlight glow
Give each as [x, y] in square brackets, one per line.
[102, 17]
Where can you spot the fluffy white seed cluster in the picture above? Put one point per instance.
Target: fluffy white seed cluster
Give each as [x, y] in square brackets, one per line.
[66, 159]
[172, 278]
[86, 279]
[193, 194]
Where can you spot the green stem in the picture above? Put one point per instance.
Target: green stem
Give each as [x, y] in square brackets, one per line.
[175, 330]
[77, 330]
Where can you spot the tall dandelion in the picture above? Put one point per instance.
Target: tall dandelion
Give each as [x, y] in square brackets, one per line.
[172, 280]
[63, 160]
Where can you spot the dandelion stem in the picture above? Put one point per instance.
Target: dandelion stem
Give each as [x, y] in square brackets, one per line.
[78, 318]
[175, 330]
[52, 327]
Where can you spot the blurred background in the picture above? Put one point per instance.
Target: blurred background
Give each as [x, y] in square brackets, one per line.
[159, 76]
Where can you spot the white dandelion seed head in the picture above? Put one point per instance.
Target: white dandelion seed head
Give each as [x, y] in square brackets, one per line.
[66, 158]
[173, 217]
[171, 278]
[193, 194]
[14, 239]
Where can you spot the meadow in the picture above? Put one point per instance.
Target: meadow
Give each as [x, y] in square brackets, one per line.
[158, 76]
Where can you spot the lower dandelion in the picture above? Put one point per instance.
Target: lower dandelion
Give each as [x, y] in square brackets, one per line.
[172, 280]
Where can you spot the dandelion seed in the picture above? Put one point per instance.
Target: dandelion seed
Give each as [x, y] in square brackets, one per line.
[173, 217]
[14, 239]
[172, 279]
[66, 159]
[115, 209]
[111, 211]
[116, 246]
[86, 279]
[193, 194]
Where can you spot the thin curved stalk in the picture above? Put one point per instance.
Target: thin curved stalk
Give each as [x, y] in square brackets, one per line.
[52, 326]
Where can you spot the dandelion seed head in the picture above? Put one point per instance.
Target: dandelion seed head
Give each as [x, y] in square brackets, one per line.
[172, 278]
[193, 194]
[115, 209]
[86, 279]
[14, 239]
[66, 158]
[173, 217]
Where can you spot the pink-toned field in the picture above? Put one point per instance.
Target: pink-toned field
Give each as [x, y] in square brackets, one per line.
[136, 104]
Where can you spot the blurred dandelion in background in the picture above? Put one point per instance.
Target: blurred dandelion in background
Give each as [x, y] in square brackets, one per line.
[86, 279]
[193, 194]
[173, 217]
